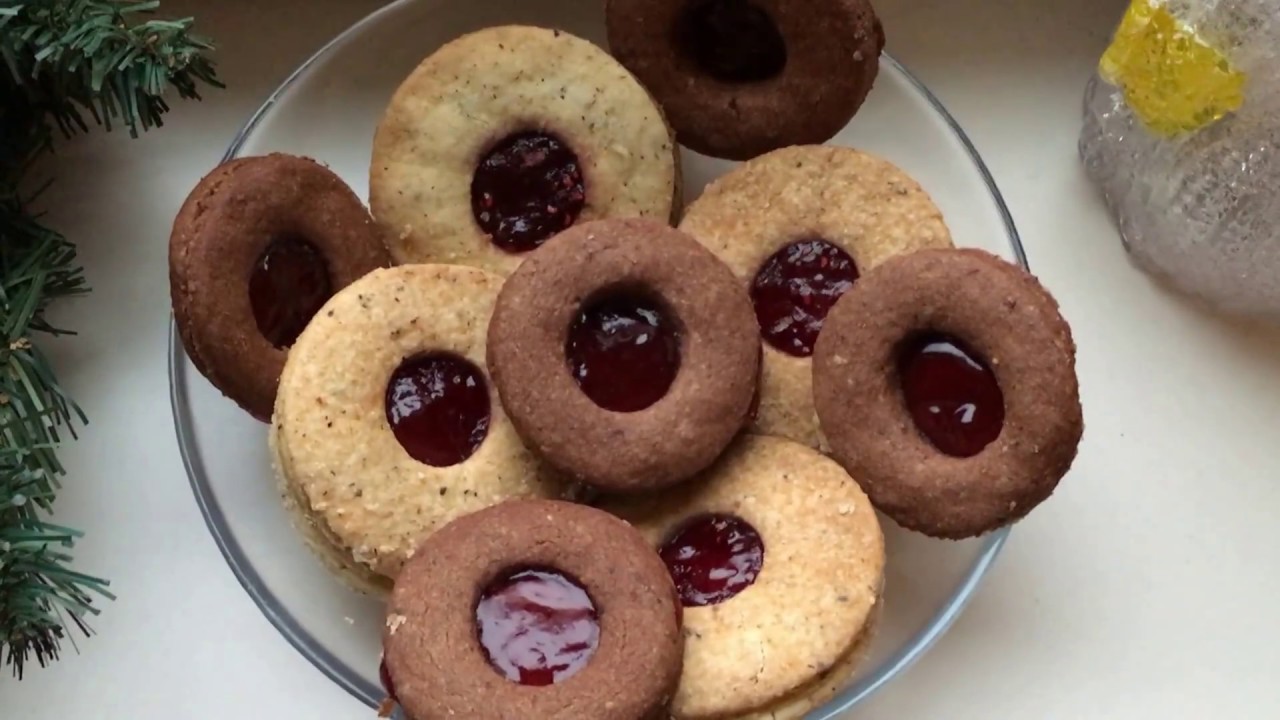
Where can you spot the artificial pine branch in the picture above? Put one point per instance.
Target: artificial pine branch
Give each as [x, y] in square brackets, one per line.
[60, 60]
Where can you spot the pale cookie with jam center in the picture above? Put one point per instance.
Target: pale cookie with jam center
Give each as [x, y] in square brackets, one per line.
[778, 558]
[798, 226]
[386, 425]
[504, 137]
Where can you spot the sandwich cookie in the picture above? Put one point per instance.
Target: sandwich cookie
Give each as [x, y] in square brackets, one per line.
[739, 78]
[257, 247]
[945, 382]
[387, 427]
[506, 136]
[533, 609]
[625, 353]
[778, 558]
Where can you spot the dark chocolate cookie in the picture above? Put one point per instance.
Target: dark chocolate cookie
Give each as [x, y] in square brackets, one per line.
[256, 249]
[534, 609]
[738, 78]
[625, 353]
[945, 382]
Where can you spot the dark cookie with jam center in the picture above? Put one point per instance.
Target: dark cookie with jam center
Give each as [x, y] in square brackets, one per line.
[256, 249]
[738, 78]
[945, 382]
[625, 353]
[533, 609]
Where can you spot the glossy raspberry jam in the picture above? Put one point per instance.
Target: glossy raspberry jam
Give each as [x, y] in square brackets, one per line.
[438, 407]
[713, 558]
[527, 188]
[537, 626]
[623, 351]
[952, 395]
[289, 284]
[733, 41]
[794, 290]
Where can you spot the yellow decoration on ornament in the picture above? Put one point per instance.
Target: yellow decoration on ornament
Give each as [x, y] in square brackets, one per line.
[1172, 79]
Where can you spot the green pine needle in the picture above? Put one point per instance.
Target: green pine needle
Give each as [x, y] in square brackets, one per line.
[61, 61]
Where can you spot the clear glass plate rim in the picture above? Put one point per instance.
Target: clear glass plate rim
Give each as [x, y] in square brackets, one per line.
[336, 670]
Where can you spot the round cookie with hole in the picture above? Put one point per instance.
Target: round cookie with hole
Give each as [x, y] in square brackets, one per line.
[739, 78]
[625, 353]
[387, 426]
[258, 246]
[945, 382]
[533, 609]
[506, 136]
[778, 558]
[798, 226]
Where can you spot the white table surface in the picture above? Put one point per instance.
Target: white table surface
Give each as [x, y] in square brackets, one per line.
[1146, 587]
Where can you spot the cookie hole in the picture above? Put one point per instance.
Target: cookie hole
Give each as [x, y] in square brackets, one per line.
[795, 288]
[438, 407]
[733, 41]
[951, 393]
[712, 558]
[288, 285]
[537, 625]
[526, 188]
[623, 349]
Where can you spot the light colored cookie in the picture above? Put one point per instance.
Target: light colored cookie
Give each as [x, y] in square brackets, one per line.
[361, 500]
[858, 202]
[483, 87]
[788, 641]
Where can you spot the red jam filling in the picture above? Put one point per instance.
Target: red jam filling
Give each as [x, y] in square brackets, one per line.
[526, 189]
[794, 290]
[438, 408]
[952, 395]
[624, 352]
[537, 626]
[733, 41]
[289, 284]
[713, 558]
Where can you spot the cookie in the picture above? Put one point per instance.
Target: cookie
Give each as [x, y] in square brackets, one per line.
[506, 136]
[779, 561]
[738, 78]
[798, 226]
[255, 250]
[386, 426]
[945, 382]
[534, 609]
[625, 353]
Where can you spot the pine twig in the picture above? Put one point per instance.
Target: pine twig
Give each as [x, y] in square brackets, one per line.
[60, 61]
[72, 57]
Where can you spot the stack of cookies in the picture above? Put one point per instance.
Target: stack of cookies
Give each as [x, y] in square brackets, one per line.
[607, 457]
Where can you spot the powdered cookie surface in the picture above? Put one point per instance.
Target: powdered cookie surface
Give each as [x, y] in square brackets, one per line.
[507, 135]
[386, 426]
[787, 639]
[798, 226]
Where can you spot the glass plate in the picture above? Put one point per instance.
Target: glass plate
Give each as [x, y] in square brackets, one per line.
[328, 110]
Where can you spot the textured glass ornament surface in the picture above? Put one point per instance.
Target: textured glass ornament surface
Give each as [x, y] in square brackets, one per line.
[1181, 127]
